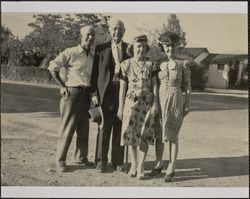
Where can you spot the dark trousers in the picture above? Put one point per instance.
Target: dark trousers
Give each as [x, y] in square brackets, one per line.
[111, 125]
[74, 118]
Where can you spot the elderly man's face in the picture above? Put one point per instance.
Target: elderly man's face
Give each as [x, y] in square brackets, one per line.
[87, 36]
[116, 30]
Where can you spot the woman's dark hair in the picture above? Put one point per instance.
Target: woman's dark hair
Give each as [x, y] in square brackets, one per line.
[161, 47]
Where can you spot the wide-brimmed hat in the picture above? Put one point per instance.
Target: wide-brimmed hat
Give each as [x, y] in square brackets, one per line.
[169, 38]
[96, 114]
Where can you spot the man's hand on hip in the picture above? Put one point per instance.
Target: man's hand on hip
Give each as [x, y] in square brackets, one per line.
[64, 91]
[95, 100]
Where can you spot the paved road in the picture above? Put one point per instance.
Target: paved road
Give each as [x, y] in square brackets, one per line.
[213, 141]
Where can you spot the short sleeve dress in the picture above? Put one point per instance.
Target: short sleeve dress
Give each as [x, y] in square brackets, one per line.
[138, 124]
[173, 76]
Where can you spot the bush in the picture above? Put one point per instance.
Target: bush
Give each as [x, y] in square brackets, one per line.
[198, 76]
[27, 74]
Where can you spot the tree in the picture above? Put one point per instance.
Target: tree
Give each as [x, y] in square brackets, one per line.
[54, 32]
[173, 24]
[6, 38]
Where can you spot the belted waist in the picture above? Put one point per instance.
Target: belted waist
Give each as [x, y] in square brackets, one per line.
[79, 87]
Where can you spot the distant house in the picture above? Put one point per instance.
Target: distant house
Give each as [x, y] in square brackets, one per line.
[196, 54]
[223, 69]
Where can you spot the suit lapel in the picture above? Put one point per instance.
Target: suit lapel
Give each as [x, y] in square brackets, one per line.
[124, 49]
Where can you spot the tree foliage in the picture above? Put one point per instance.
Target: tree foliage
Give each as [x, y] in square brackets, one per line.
[6, 38]
[172, 24]
[51, 34]
[54, 32]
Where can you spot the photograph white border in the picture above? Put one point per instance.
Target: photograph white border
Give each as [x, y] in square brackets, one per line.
[128, 7]
[240, 7]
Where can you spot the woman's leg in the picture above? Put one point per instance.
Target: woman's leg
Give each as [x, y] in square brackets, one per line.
[142, 156]
[173, 153]
[159, 147]
[134, 159]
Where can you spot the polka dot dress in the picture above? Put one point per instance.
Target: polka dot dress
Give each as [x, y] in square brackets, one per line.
[172, 76]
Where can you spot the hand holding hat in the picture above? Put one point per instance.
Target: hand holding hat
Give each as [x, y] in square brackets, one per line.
[96, 115]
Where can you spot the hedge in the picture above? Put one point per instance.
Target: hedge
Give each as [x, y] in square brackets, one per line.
[43, 76]
[27, 74]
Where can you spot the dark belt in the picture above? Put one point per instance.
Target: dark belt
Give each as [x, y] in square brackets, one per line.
[79, 87]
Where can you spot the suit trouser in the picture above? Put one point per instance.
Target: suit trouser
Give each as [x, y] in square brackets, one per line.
[112, 124]
[74, 118]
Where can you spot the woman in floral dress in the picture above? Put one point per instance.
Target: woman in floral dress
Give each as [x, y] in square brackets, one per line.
[174, 76]
[138, 106]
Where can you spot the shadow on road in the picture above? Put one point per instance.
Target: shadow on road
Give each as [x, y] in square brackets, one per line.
[210, 102]
[17, 98]
[201, 168]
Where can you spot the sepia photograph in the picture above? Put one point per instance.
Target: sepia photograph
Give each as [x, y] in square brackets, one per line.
[124, 99]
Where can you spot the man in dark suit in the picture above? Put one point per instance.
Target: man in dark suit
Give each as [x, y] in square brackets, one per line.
[105, 88]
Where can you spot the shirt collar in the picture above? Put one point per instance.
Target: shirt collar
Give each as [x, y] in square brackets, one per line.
[81, 49]
[119, 45]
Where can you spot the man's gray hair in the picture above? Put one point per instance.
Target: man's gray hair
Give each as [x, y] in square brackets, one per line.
[87, 27]
[114, 21]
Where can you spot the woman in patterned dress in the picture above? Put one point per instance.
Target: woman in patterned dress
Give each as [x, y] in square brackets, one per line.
[174, 75]
[139, 105]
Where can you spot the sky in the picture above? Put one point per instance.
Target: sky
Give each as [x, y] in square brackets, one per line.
[219, 33]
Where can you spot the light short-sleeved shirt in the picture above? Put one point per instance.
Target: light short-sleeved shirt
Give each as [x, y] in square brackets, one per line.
[78, 66]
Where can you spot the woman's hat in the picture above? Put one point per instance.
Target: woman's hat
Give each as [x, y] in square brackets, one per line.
[169, 38]
[96, 114]
[140, 38]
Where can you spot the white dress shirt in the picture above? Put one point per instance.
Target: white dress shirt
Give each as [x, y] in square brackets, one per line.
[77, 64]
[117, 55]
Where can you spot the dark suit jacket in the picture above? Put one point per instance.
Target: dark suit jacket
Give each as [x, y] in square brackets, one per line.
[103, 68]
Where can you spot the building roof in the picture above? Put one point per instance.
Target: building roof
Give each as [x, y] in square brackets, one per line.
[223, 58]
[193, 53]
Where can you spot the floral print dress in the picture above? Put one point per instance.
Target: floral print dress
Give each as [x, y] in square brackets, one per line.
[138, 124]
[173, 75]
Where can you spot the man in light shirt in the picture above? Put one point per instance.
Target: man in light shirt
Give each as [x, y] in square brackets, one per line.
[75, 97]
[105, 88]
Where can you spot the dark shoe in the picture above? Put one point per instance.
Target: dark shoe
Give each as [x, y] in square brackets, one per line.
[114, 166]
[155, 172]
[120, 168]
[168, 177]
[85, 162]
[100, 167]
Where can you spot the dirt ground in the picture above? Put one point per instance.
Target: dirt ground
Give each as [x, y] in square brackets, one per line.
[213, 143]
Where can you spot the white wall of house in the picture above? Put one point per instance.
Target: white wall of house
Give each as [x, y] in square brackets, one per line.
[218, 76]
[201, 57]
